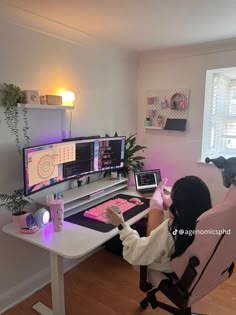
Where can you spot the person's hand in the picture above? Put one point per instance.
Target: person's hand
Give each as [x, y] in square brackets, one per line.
[159, 200]
[167, 201]
[113, 217]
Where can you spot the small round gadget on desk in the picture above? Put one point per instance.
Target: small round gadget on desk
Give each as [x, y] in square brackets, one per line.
[41, 217]
[136, 201]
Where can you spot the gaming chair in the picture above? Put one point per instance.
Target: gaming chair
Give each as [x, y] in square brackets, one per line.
[207, 262]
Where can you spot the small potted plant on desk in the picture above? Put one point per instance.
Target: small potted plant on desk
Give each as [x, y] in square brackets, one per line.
[16, 202]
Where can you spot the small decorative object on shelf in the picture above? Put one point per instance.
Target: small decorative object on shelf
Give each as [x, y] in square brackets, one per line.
[152, 100]
[53, 99]
[147, 122]
[31, 97]
[42, 99]
[177, 101]
[164, 104]
[160, 121]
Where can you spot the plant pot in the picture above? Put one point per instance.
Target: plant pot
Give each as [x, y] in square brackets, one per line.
[160, 122]
[19, 220]
[147, 122]
[131, 180]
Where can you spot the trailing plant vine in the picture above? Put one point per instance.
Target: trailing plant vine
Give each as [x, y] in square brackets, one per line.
[10, 96]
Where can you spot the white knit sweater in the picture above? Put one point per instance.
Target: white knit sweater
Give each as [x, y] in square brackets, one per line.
[154, 250]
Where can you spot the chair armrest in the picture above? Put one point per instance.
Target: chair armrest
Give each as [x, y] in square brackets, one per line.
[189, 274]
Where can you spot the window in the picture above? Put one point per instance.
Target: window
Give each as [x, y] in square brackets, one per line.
[219, 125]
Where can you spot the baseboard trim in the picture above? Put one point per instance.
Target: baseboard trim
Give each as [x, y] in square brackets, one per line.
[26, 288]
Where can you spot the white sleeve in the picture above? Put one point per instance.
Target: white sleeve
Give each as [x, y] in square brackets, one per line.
[146, 250]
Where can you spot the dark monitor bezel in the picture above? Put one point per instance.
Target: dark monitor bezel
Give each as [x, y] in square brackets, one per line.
[66, 178]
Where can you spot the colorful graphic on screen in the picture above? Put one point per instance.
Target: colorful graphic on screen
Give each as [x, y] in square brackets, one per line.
[43, 165]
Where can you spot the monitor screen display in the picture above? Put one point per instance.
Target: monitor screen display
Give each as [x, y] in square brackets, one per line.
[111, 153]
[95, 155]
[43, 165]
[86, 157]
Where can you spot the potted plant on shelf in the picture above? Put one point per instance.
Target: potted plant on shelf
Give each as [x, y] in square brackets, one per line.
[147, 121]
[15, 202]
[11, 95]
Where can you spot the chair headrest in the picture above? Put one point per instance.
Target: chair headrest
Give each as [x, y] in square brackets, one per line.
[228, 167]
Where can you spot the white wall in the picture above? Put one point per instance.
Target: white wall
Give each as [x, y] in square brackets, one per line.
[177, 153]
[42, 55]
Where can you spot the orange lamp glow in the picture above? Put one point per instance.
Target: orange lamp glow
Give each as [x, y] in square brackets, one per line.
[68, 98]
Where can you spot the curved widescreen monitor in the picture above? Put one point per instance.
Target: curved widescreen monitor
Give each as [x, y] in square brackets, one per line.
[49, 164]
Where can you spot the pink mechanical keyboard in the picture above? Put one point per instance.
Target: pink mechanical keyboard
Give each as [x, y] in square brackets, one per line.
[96, 213]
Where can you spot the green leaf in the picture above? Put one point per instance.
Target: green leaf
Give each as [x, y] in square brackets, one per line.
[138, 158]
[137, 148]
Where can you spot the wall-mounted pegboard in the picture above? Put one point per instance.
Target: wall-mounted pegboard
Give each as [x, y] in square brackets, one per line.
[166, 103]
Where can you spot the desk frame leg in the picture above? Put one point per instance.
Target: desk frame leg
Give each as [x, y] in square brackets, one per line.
[57, 284]
[57, 287]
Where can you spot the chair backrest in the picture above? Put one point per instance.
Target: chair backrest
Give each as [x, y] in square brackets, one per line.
[214, 245]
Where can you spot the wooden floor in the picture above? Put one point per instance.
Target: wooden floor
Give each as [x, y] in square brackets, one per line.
[105, 284]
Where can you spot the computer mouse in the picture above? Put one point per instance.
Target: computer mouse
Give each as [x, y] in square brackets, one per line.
[136, 201]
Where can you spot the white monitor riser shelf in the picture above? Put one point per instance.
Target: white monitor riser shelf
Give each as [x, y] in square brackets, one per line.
[86, 196]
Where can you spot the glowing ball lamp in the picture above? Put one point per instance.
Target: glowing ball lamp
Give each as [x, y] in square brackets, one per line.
[41, 217]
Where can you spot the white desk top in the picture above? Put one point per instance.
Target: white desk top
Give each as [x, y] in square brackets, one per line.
[73, 241]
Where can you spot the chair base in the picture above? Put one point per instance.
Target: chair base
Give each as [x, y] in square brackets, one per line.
[172, 310]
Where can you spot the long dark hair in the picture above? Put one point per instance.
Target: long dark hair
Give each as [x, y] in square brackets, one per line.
[190, 198]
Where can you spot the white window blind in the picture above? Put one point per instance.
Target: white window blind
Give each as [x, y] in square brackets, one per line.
[219, 127]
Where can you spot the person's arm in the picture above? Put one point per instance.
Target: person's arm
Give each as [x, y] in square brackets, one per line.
[155, 218]
[146, 250]
[141, 250]
[158, 204]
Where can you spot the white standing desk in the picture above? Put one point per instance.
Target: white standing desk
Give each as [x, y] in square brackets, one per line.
[73, 241]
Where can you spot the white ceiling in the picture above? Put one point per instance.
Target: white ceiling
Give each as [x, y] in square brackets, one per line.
[141, 25]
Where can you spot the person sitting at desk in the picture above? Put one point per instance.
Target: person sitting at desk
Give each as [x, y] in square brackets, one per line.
[190, 197]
